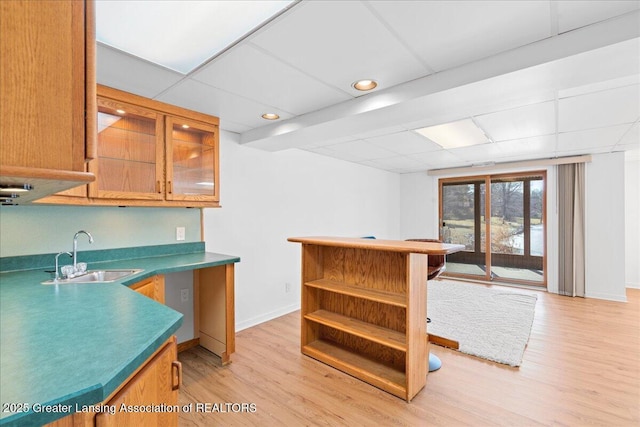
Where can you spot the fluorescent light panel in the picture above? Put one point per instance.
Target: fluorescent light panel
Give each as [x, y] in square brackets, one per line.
[463, 133]
[179, 35]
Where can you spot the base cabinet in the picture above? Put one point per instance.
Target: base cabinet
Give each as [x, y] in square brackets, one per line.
[153, 386]
[152, 287]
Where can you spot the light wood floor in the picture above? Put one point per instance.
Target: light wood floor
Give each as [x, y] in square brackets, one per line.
[581, 367]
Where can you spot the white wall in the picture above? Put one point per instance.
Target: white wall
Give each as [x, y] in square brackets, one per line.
[267, 197]
[605, 227]
[632, 218]
[418, 206]
[174, 284]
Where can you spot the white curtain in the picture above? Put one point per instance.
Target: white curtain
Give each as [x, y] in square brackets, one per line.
[571, 249]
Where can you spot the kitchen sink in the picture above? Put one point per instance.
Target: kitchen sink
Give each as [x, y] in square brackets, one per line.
[97, 276]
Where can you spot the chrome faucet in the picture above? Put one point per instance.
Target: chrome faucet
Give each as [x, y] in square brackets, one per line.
[57, 265]
[75, 247]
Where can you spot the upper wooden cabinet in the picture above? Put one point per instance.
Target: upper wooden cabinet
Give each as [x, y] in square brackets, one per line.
[47, 93]
[153, 154]
[150, 154]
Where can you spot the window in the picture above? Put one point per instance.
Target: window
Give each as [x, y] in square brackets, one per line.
[515, 209]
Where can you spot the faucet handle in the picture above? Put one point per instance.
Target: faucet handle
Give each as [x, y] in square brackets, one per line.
[67, 271]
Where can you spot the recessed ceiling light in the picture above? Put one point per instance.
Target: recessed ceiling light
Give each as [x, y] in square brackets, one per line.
[270, 116]
[120, 111]
[15, 188]
[185, 126]
[365, 85]
[462, 133]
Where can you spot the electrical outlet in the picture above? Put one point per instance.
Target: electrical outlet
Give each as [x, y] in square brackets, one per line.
[180, 233]
[287, 287]
[184, 295]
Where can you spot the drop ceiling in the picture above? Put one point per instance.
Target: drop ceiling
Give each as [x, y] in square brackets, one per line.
[541, 79]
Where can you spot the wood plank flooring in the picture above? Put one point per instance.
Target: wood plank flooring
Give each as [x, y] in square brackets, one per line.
[581, 367]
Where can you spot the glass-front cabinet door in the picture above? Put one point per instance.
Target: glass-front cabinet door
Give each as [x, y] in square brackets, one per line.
[192, 160]
[130, 159]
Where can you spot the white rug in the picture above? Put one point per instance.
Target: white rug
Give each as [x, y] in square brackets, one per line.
[490, 323]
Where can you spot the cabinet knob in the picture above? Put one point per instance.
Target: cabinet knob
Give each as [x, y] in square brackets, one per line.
[158, 187]
[169, 187]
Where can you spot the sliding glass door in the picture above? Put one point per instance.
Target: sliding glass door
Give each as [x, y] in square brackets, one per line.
[513, 218]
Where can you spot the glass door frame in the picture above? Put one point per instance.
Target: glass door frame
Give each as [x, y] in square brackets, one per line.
[486, 179]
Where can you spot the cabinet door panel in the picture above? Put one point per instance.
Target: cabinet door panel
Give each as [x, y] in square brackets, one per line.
[192, 160]
[42, 75]
[155, 384]
[130, 152]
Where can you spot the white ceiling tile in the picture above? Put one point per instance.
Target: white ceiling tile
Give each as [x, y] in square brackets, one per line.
[534, 147]
[478, 153]
[179, 35]
[600, 109]
[320, 150]
[450, 33]
[439, 159]
[406, 142]
[599, 86]
[227, 124]
[574, 14]
[587, 140]
[122, 71]
[327, 142]
[631, 139]
[517, 123]
[209, 100]
[398, 163]
[340, 42]
[359, 150]
[251, 73]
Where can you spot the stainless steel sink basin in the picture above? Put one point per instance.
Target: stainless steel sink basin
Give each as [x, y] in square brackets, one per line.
[97, 276]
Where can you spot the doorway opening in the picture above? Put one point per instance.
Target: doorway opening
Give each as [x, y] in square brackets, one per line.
[510, 209]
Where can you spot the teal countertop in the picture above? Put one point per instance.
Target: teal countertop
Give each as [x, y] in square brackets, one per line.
[76, 343]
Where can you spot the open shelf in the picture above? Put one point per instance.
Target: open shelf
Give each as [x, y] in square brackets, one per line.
[398, 300]
[369, 331]
[374, 372]
[364, 309]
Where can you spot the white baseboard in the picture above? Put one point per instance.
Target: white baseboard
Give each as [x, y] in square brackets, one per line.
[266, 317]
[608, 297]
[633, 285]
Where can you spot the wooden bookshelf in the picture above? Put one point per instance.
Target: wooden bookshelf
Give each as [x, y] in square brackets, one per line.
[364, 308]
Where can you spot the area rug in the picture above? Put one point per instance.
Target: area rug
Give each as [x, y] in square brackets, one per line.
[491, 323]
